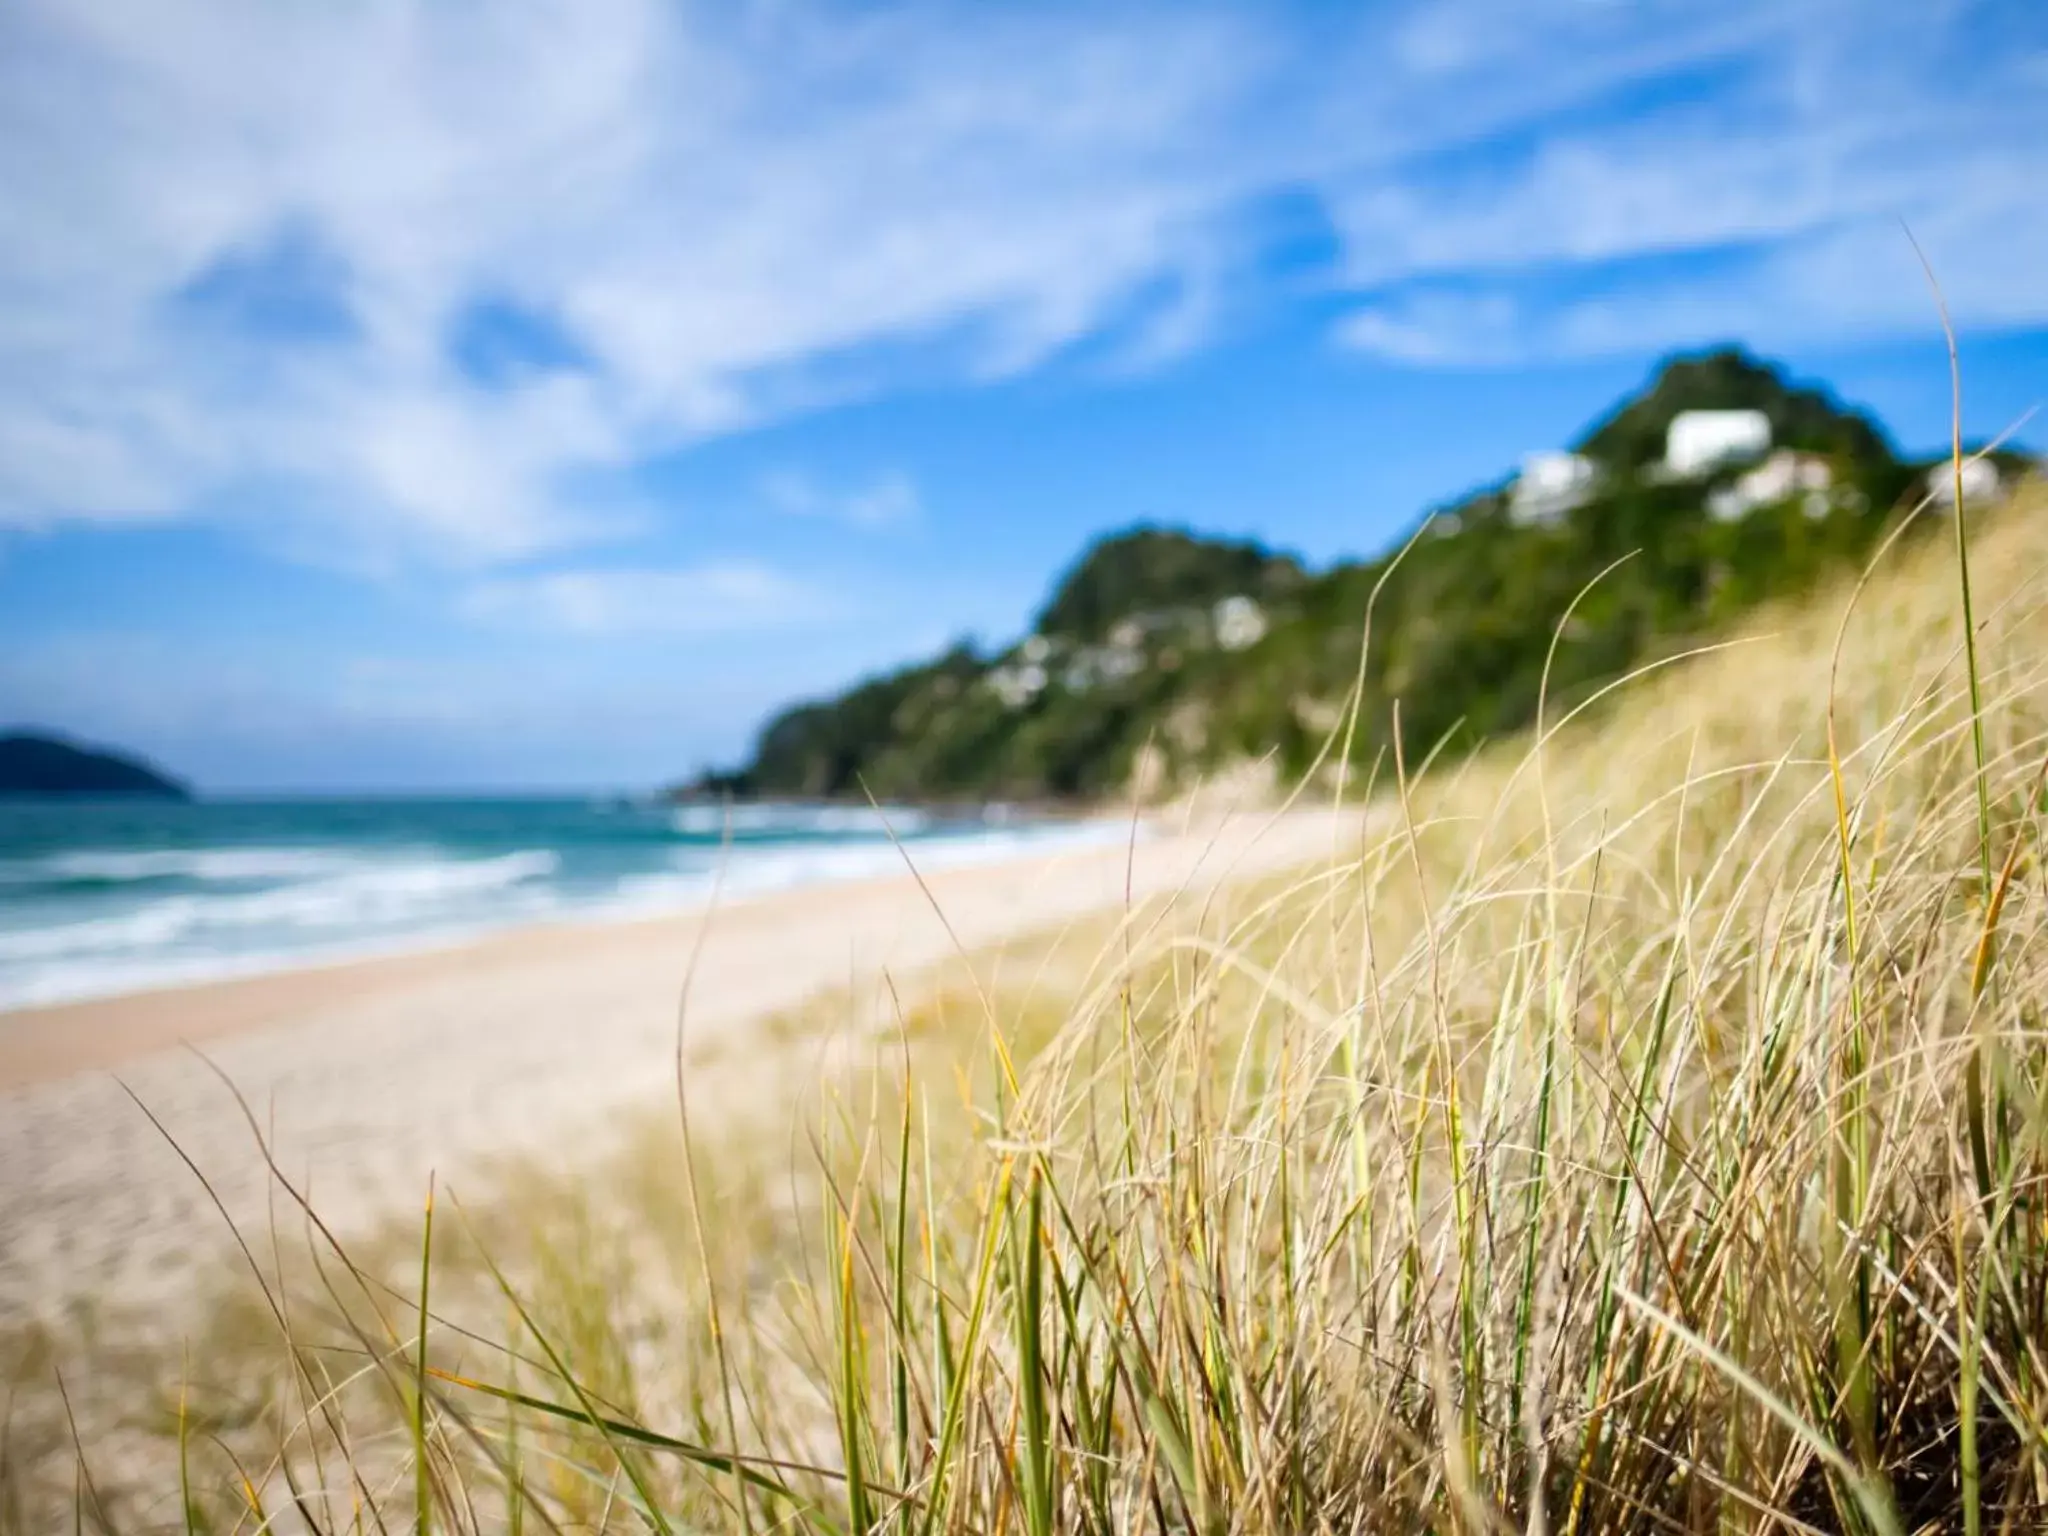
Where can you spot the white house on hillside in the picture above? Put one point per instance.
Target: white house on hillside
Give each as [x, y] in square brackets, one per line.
[1550, 484]
[1240, 623]
[1698, 441]
[1018, 683]
[1127, 634]
[1784, 475]
[1981, 481]
[1097, 664]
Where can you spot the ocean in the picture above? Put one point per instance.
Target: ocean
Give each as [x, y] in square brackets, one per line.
[103, 897]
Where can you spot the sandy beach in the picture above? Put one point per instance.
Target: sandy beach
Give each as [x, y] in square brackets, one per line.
[372, 1074]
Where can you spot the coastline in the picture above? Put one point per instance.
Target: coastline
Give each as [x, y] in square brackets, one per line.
[45, 1041]
[374, 1073]
[211, 903]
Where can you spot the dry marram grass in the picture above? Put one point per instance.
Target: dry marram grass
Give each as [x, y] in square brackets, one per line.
[1640, 1129]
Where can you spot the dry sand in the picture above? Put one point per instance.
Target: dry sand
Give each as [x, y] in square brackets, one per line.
[374, 1073]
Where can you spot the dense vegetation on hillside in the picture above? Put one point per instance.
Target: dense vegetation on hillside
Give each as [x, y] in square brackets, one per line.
[1169, 654]
[37, 765]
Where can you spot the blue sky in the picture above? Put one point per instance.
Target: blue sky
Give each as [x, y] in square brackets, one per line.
[450, 395]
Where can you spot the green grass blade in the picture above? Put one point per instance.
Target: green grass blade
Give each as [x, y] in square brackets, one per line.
[1038, 1452]
[423, 1472]
[746, 1468]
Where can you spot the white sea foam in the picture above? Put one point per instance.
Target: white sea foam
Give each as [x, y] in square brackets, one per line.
[367, 894]
[312, 905]
[712, 820]
[224, 864]
[756, 871]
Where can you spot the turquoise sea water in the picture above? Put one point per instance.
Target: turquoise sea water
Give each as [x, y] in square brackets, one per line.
[112, 896]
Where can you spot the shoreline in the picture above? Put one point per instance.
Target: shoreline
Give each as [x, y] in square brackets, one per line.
[998, 842]
[46, 1041]
[374, 1073]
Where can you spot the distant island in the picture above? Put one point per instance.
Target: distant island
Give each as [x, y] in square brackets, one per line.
[1164, 654]
[36, 765]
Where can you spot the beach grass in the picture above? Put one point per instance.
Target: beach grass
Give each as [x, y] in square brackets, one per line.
[1641, 1125]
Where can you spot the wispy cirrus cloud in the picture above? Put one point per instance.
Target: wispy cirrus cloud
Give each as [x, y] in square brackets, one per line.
[699, 206]
[711, 599]
[889, 501]
[1768, 195]
[422, 283]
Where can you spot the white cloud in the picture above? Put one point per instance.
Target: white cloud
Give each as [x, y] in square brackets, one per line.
[724, 214]
[716, 598]
[1858, 278]
[888, 502]
[1769, 208]
[1430, 327]
[704, 201]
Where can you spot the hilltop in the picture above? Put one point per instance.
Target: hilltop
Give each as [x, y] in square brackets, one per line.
[32, 764]
[1162, 654]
